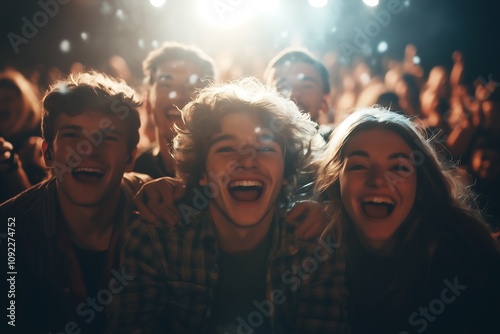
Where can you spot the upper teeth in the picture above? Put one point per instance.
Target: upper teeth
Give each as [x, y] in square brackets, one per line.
[245, 184]
[378, 199]
[88, 170]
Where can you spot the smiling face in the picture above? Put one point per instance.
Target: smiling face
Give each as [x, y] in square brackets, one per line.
[175, 85]
[302, 83]
[244, 170]
[89, 156]
[378, 185]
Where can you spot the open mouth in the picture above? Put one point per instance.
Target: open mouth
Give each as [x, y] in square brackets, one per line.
[88, 174]
[245, 191]
[377, 206]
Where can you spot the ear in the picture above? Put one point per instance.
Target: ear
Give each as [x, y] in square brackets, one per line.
[131, 160]
[48, 153]
[203, 181]
[324, 111]
[325, 104]
[149, 108]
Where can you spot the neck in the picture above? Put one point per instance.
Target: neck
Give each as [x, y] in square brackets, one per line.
[90, 227]
[166, 157]
[233, 238]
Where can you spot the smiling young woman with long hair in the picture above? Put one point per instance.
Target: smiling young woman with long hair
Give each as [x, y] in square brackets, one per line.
[419, 257]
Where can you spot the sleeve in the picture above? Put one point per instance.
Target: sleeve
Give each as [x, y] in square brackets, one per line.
[322, 296]
[141, 304]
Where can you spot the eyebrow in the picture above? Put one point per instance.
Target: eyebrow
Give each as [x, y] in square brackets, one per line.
[225, 137]
[308, 78]
[73, 127]
[166, 75]
[70, 127]
[304, 78]
[220, 138]
[392, 156]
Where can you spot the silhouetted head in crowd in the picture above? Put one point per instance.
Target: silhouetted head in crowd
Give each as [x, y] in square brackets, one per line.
[300, 76]
[20, 110]
[173, 73]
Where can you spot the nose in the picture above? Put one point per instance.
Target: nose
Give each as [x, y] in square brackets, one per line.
[377, 178]
[247, 157]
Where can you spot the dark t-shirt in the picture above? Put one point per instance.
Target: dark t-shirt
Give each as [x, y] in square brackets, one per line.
[92, 265]
[151, 163]
[242, 281]
[459, 294]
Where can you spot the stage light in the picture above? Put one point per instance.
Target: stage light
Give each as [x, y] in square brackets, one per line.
[157, 3]
[371, 3]
[226, 13]
[84, 36]
[268, 5]
[382, 47]
[65, 46]
[318, 3]
[120, 14]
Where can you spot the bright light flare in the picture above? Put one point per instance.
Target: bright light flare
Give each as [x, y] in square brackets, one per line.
[371, 3]
[268, 6]
[65, 46]
[157, 3]
[225, 13]
[318, 3]
[382, 47]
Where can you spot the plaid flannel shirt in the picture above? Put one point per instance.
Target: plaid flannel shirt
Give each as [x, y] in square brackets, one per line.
[175, 272]
[49, 286]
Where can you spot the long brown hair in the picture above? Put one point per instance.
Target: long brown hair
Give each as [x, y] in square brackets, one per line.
[444, 206]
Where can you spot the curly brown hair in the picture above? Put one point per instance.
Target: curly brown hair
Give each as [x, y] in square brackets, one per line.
[96, 91]
[293, 130]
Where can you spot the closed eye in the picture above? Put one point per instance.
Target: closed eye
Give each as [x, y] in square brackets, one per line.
[356, 167]
[70, 135]
[400, 168]
[266, 149]
[224, 149]
[111, 138]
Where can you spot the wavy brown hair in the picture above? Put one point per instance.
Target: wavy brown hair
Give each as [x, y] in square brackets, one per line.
[278, 116]
[444, 208]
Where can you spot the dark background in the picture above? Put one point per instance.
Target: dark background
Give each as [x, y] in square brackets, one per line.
[435, 27]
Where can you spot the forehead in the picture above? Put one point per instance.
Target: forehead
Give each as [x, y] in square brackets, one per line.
[90, 120]
[296, 71]
[243, 126]
[181, 67]
[377, 142]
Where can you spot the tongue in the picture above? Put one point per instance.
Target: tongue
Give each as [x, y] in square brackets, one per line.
[245, 195]
[375, 210]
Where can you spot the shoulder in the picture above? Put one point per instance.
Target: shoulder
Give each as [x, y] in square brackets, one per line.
[147, 161]
[31, 200]
[132, 182]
